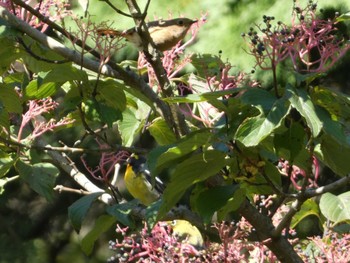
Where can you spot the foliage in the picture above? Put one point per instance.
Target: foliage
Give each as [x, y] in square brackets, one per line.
[228, 147]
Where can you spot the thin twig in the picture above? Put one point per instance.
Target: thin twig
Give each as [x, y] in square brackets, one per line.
[61, 188]
[116, 9]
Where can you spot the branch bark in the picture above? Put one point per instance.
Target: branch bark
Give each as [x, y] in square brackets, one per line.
[153, 57]
[279, 245]
[130, 78]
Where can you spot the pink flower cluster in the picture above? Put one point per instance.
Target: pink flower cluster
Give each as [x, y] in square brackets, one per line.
[310, 43]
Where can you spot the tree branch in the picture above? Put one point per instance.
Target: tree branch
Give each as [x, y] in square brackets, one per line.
[74, 172]
[130, 78]
[279, 245]
[153, 57]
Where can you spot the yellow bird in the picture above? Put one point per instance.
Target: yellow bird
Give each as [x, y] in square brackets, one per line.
[185, 231]
[137, 180]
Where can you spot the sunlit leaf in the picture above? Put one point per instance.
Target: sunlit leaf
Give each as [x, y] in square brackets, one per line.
[309, 207]
[161, 157]
[301, 101]
[336, 208]
[161, 132]
[6, 162]
[129, 128]
[253, 130]
[334, 155]
[64, 73]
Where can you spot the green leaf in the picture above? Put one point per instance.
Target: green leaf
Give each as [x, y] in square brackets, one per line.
[207, 64]
[162, 157]
[309, 207]
[211, 200]
[129, 128]
[195, 169]
[331, 127]
[161, 132]
[41, 177]
[273, 174]
[108, 115]
[343, 17]
[10, 99]
[4, 118]
[78, 210]
[152, 213]
[9, 52]
[336, 103]
[334, 155]
[232, 204]
[112, 93]
[253, 130]
[36, 91]
[301, 101]
[336, 208]
[289, 144]
[64, 73]
[122, 212]
[102, 224]
[259, 98]
[207, 96]
[6, 162]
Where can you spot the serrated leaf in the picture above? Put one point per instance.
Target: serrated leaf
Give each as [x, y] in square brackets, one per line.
[102, 224]
[78, 210]
[336, 208]
[301, 101]
[253, 130]
[195, 169]
[161, 132]
[309, 207]
[41, 177]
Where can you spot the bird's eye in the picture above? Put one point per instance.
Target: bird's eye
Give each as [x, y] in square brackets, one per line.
[173, 223]
[180, 22]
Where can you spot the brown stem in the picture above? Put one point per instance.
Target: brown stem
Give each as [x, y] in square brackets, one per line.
[279, 245]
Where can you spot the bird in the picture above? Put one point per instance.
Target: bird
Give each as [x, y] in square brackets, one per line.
[184, 231]
[138, 180]
[164, 33]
